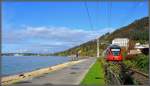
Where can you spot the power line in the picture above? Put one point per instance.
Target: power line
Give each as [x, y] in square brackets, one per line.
[98, 53]
[88, 14]
[97, 11]
[109, 8]
[91, 24]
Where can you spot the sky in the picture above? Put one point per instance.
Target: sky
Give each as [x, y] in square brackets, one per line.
[48, 27]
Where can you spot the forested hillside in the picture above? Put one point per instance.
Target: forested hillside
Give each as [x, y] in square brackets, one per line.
[138, 31]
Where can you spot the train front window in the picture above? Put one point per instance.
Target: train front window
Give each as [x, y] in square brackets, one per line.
[115, 52]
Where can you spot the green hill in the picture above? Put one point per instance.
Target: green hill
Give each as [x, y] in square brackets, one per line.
[138, 31]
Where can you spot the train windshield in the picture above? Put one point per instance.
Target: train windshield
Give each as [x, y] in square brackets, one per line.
[115, 52]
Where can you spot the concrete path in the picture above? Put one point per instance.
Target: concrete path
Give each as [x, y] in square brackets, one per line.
[71, 75]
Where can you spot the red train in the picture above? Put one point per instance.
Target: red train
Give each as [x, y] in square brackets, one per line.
[113, 53]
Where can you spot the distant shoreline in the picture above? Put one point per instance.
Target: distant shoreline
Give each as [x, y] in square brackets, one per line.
[26, 54]
[36, 55]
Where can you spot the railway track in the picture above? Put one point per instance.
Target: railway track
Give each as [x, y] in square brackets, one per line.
[118, 73]
[139, 72]
[140, 77]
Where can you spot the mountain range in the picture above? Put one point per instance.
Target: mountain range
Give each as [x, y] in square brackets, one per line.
[137, 31]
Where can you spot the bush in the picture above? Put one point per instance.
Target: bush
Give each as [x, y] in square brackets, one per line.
[140, 62]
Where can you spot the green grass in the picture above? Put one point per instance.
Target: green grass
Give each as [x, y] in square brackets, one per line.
[141, 62]
[95, 75]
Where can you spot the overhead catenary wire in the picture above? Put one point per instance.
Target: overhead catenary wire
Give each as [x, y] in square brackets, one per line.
[97, 18]
[91, 25]
[89, 16]
[109, 8]
[108, 14]
[97, 12]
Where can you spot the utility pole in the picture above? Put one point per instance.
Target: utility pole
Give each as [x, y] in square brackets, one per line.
[97, 47]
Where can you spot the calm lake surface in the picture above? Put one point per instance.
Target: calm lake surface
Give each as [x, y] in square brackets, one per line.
[18, 64]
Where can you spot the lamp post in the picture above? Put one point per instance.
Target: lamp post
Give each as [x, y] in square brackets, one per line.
[97, 47]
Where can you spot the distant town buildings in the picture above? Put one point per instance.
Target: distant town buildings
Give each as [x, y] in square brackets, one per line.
[140, 48]
[16, 54]
[122, 42]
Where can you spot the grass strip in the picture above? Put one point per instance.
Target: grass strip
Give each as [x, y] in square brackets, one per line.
[95, 75]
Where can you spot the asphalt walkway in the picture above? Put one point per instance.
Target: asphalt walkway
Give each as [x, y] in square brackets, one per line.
[71, 75]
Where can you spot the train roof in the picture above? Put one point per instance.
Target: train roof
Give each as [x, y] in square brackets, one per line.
[113, 46]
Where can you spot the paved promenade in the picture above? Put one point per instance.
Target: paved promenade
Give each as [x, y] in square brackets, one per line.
[71, 75]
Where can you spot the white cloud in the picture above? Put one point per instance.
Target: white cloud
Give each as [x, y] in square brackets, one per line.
[51, 37]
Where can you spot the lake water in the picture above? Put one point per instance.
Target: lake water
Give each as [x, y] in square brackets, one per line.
[17, 64]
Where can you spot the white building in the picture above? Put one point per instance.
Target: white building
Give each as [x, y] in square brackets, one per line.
[141, 46]
[122, 42]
